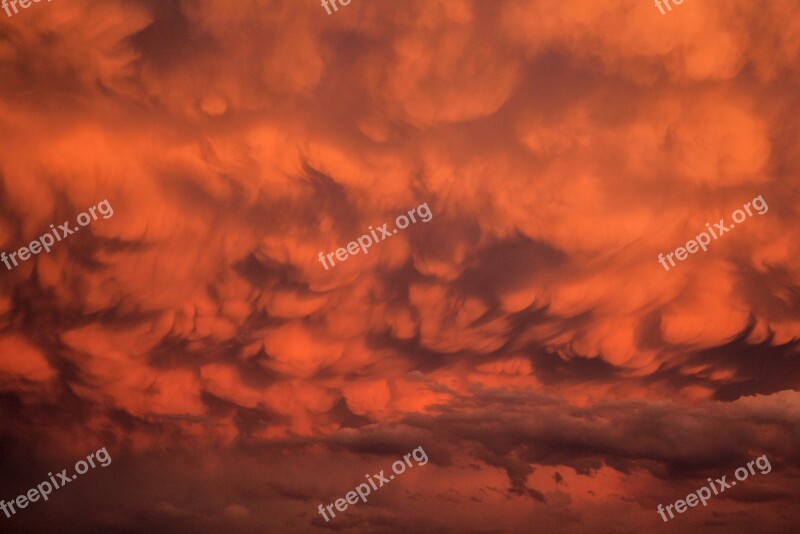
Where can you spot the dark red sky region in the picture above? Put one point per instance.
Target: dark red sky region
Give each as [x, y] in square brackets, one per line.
[551, 337]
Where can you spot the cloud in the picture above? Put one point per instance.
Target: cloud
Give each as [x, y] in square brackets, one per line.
[526, 335]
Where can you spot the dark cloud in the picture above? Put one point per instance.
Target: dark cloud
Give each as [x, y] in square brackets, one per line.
[526, 336]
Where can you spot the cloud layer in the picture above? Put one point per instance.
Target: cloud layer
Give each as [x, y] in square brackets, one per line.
[526, 336]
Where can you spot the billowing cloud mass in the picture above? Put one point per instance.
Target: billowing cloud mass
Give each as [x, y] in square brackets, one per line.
[558, 376]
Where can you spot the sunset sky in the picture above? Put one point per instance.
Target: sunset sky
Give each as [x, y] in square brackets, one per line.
[558, 377]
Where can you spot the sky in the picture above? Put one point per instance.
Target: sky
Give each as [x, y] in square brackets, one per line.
[560, 371]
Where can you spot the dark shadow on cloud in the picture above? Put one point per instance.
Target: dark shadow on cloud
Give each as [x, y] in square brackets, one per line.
[175, 352]
[421, 358]
[256, 371]
[169, 40]
[341, 414]
[648, 333]
[509, 265]
[554, 84]
[551, 368]
[327, 196]
[760, 368]
[514, 431]
[265, 272]
[247, 420]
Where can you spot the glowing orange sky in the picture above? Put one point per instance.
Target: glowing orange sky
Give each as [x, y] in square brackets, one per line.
[526, 336]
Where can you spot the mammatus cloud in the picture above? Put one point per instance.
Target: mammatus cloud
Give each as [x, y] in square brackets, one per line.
[526, 336]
